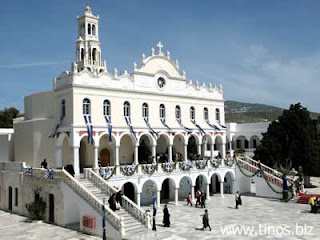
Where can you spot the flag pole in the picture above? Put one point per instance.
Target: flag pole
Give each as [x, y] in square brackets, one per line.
[104, 237]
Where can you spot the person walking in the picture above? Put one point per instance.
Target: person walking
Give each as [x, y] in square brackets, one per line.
[237, 198]
[166, 216]
[189, 200]
[205, 220]
[203, 199]
[119, 197]
[198, 195]
[44, 164]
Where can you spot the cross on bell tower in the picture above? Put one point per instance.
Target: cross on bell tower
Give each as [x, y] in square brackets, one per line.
[160, 46]
[88, 51]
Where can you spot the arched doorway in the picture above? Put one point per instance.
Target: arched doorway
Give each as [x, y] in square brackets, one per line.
[218, 146]
[145, 150]
[178, 146]
[201, 183]
[162, 148]
[228, 188]
[167, 190]
[215, 184]
[129, 191]
[104, 157]
[126, 150]
[149, 189]
[192, 148]
[86, 154]
[185, 187]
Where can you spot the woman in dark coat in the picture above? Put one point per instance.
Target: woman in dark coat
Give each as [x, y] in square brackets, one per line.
[112, 202]
[166, 216]
[205, 220]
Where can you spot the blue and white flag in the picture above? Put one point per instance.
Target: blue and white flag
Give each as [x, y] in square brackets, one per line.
[163, 120]
[49, 174]
[198, 126]
[108, 120]
[128, 121]
[154, 205]
[150, 128]
[184, 127]
[29, 170]
[87, 119]
[55, 131]
[213, 126]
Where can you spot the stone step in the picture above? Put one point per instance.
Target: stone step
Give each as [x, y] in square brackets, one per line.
[135, 231]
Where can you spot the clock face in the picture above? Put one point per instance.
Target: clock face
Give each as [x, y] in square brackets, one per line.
[161, 82]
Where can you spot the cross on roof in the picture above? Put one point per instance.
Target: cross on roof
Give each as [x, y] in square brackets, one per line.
[160, 46]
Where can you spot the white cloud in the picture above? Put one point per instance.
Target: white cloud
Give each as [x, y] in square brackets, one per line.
[35, 64]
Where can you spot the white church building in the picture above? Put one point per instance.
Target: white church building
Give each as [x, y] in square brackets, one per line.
[150, 132]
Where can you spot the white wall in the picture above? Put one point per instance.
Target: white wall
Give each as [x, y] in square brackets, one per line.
[6, 145]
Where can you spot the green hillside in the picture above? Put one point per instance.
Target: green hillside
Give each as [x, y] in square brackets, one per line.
[240, 112]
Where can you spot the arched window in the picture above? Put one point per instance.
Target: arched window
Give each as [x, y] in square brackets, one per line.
[218, 115]
[106, 108]
[63, 108]
[162, 111]
[16, 197]
[89, 28]
[145, 110]
[82, 54]
[94, 54]
[178, 112]
[126, 109]
[206, 114]
[93, 29]
[192, 113]
[86, 106]
[82, 29]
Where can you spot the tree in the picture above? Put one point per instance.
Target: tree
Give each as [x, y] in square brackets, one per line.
[294, 136]
[7, 116]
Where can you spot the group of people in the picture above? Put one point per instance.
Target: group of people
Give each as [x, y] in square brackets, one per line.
[201, 199]
[315, 204]
[115, 201]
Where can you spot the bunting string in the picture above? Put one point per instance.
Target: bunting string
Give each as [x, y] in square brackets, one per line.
[108, 120]
[163, 120]
[128, 121]
[184, 127]
[150, 128]
[55, 131]
[198, 126]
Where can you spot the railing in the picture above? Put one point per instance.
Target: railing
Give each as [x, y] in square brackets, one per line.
[254, 168]
[96, 203]
[127, 204]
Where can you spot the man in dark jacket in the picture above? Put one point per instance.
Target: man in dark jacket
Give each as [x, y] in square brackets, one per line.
[166, 216]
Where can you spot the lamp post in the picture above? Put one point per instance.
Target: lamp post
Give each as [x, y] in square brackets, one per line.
[104, 237]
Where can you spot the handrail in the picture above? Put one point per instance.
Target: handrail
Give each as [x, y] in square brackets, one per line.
[115, 220]
[271, 177]
[127, 204]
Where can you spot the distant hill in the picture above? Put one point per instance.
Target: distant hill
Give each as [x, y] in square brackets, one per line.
[240, 112]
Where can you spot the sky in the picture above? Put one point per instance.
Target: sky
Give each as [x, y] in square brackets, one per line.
[265, 51]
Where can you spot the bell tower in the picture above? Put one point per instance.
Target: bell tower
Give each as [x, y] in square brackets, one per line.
[88, 51]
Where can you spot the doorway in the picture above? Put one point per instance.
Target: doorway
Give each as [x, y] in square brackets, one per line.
[51, 208]
[104, 157]
[128, 190]
[10, 199]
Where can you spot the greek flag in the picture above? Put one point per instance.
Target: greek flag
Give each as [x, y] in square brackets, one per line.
[49, 174]
[163, 120]
[87, 119]
[181, 125]
[28, 170]
[55, 131]
[222, 125]
[108, 120]
[150, 128]
[198, 126]
[154, 205]
[128, 120]
[213, 126]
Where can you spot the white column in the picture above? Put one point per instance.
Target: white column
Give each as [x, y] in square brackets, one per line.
[75, 160]
[199, 149]
[170, 153]
[185, 152]
[223, 153]
[136, 157]
[154, 153]
[58, 157]
[158, 198]
[138, 198]
[117, 160]
[221, 189]
[192, 193]
[208, 191]
[211, 151]
[176, 196]
[96, 153]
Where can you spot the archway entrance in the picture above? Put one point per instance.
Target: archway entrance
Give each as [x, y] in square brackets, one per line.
[162, 148]
[128, 190]
[167, 190]
[149, 189]
[178, 147]
[86, 154]
[10, 199]
[185, 187]
[215, 184]
[104, 157]
[228, 183]
[144, 150]
[192, 148]
[201, 183]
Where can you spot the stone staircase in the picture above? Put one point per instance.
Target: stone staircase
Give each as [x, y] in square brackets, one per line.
[131, 224]
[304, 198]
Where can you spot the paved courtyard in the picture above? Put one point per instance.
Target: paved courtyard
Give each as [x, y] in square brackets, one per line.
[264, 217]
